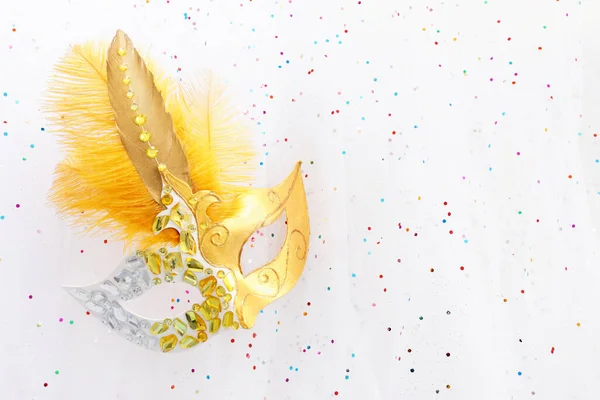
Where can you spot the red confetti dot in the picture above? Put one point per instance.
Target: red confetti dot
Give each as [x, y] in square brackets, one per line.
[45, 384]
[462, 268]
[250, 345]
[522, 291]
[105, 241]
[508, 39]
[232, 340]
[445, 203]
[336, 393]
[451, 232]
[447, 354]
[172, 386]
[449, 214]
[552, 351]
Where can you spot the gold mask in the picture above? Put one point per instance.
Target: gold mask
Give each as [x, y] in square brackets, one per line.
[200, 222]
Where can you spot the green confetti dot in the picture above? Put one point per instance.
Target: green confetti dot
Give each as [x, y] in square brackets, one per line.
[520, 212]
[421, 318]
[56, 372]
[544, 26]
[71, 322]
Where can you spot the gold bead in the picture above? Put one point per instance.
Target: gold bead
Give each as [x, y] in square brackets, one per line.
[134, 107]
[193, 201]
[144, 136]
[126, 80]
[123, 67]
[129, 94]
[166, 199]
[140, 119]
[151, 152]
[121, 52]
[161, 168]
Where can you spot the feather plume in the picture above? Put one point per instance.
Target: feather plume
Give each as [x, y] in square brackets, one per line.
[97, 187]
[131, 83]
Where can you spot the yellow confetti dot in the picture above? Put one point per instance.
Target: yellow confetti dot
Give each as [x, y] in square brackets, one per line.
[579, 324]
[419, 197]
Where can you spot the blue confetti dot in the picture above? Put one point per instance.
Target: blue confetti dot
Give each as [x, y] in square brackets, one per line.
[5, 133]
[328, 288]
[412, 370]
[261, 163]
[287, 61]
[382, 200]
[416, 126]
[368, 62]
[5, 94]
[364, 240]
[395, 93]
[596, 160]
[308, 347]
[354, 275]
[291, 368]
[466, 241]
[348, 102]
[347, 377]
[374, 79]
[42, 129]
[326, 40]
[519, 373]
[315, 42]
[1, 216]
[443, 221]
[207, 376]
[32, 146]
[510, 62]
[344, 152]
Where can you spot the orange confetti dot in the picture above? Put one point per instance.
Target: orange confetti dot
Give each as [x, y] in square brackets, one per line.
[570, 176]
[305, 313]
[579, 324]
[505, 300]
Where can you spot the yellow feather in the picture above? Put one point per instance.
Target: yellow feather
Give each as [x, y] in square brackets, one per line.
[97, 186]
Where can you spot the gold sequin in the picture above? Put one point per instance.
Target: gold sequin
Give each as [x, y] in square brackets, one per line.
[158, 328]
[134, 107]
[214, 325]
[228, 319]
[188, 342]
[194, 264]
[173, 262]
[221, 291]
[126, 80]
[123, 67]
[190, 277]
[160, 223]
[156, 281]
[221, 274]
[161, 167]
[169, 277]
[144, 136]
[129, 94]
[180, 217]
[187, 243]
[140, 119]
[154, 262]
[195, 321]
[166, 199]
[208, 285]
[180, 326]
[151, 152]
[121, 51]
[168, 343]
[202, 336]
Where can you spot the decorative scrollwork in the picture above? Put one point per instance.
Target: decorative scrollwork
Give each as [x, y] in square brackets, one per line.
[218, 235]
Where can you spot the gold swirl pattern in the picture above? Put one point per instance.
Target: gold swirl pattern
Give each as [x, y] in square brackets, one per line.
[221, 244]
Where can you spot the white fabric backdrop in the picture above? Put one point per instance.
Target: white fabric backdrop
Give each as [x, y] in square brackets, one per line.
[517, 165]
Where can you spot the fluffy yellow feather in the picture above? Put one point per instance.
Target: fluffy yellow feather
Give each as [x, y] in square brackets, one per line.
[97, 186]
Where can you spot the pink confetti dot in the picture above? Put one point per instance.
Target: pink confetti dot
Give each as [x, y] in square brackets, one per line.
[30, 296]
[60, 320]
[18, 206]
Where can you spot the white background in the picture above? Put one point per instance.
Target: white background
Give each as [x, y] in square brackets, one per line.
[457, 138]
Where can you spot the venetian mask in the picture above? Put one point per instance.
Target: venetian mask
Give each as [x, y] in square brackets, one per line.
[154, 162]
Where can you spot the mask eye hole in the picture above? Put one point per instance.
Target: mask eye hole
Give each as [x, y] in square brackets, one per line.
[166, 300]
[264, 245]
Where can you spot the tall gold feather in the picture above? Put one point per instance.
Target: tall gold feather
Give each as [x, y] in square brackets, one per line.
[130, 83]
[97, 186]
